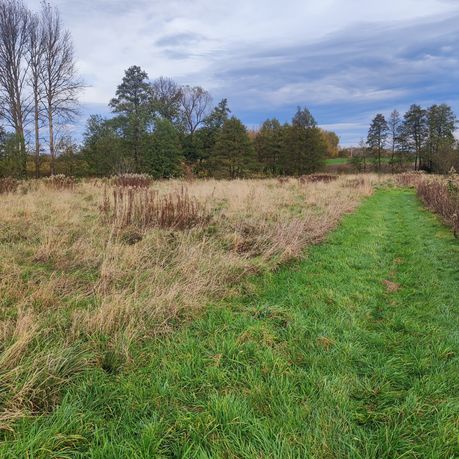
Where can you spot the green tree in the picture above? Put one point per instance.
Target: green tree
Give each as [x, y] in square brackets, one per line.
[205, 138]
[377, 137]
[441, 122]
[303, 118]
[304, 150]
[233, 155]
[134, 104]
[163, 156]
[269, 146]
[414, 132]
[102, 147]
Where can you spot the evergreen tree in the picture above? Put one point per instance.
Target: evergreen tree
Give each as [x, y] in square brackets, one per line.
[134, 103]
[269, 146]
[163, 157]
[205, 138]
[377, 137]
[304, 150]
[303, 118]
[233, 155]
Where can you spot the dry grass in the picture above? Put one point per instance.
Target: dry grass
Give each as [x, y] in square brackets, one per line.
[441, 195]
[8, 185]
[77, 288]
[132, 180]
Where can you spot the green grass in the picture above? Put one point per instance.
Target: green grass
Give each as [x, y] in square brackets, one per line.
[317, 360]
[335, 161]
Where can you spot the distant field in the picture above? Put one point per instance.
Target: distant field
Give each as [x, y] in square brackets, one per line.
[335, 161]
[149, 322]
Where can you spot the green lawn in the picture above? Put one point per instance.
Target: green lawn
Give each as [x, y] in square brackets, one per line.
[352, 353]
[336, 161]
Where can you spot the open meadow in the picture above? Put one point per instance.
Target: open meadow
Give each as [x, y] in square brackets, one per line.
[165, 319]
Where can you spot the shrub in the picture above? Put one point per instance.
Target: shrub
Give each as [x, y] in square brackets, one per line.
[8, 185]
[442, 196]
[145, 208]
[409, 179]
[132, 180]
[318, 178]
[60, 182]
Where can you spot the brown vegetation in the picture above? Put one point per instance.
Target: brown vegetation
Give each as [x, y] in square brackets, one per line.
[80, 283]
[442, 197]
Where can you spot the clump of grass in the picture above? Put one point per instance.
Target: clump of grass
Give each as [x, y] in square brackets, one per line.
[312, 178]
[409, 179]
[144, 208]
[59, 182]
[8, 185]
[442, 197]
[132, 180]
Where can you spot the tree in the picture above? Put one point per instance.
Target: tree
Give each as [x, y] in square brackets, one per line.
[269, 146]
[59, 78]
[35, 53]
[102, 149]
[163, 157]
[233, 156]
[394, 124]
[441, 122]
[377, 137]
[359, 156]
[14, 39]
[414, 133]
[195, 103]
[304, 150]
[204, 139]
[167, 95]
[332, 141]
[133, 101]
[303, 118]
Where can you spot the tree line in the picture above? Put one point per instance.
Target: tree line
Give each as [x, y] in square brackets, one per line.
[39, 84]
[423, 137]
[164, 129]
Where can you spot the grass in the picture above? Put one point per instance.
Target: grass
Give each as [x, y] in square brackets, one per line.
[335, 161]
[86, 275]
[351, 353]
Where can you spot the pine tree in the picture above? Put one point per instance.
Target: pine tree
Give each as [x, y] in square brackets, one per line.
[163, 156]
[268, 146]
[377, 137]
[133, 102]
[414, 133]
[233, 155]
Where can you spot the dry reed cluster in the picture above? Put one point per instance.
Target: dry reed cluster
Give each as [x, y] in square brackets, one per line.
[76, 291]
[132, 180]
[8, 185]
[441, 195]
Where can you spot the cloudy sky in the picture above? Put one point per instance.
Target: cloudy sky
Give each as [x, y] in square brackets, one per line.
[344, 59]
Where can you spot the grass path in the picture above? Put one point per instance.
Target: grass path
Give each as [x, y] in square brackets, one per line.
[352, 353]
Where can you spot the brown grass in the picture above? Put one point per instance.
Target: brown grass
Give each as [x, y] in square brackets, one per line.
[8, 185]
[132, 180]
[79, 284]
[441, 195]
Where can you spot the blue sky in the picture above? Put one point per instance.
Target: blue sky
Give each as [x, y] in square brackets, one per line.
[345, 60]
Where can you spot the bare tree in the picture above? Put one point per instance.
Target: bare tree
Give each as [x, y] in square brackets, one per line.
[58, 76]
[195, 104]
[14, 40]
[167, 96]
[35, 54]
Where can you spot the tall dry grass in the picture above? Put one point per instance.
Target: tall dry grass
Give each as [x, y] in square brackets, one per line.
[80, 282]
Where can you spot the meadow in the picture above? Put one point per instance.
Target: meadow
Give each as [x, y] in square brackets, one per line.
[194, 319]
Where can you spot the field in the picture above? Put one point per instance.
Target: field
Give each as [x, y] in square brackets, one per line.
[194, 333]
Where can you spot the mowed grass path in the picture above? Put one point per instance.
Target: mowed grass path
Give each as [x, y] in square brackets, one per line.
[352, 353]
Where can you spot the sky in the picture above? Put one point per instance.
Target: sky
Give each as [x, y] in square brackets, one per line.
[346, 60]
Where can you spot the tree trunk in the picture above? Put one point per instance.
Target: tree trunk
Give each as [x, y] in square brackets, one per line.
[37, 138]
[51, 141]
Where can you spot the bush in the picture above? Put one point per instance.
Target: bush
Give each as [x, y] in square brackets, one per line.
[132, 180]
[145, 208]
[442, 196]
[8, 185]
[60, 182]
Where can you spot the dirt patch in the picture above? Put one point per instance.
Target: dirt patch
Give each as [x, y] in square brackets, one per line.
[391, 286]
